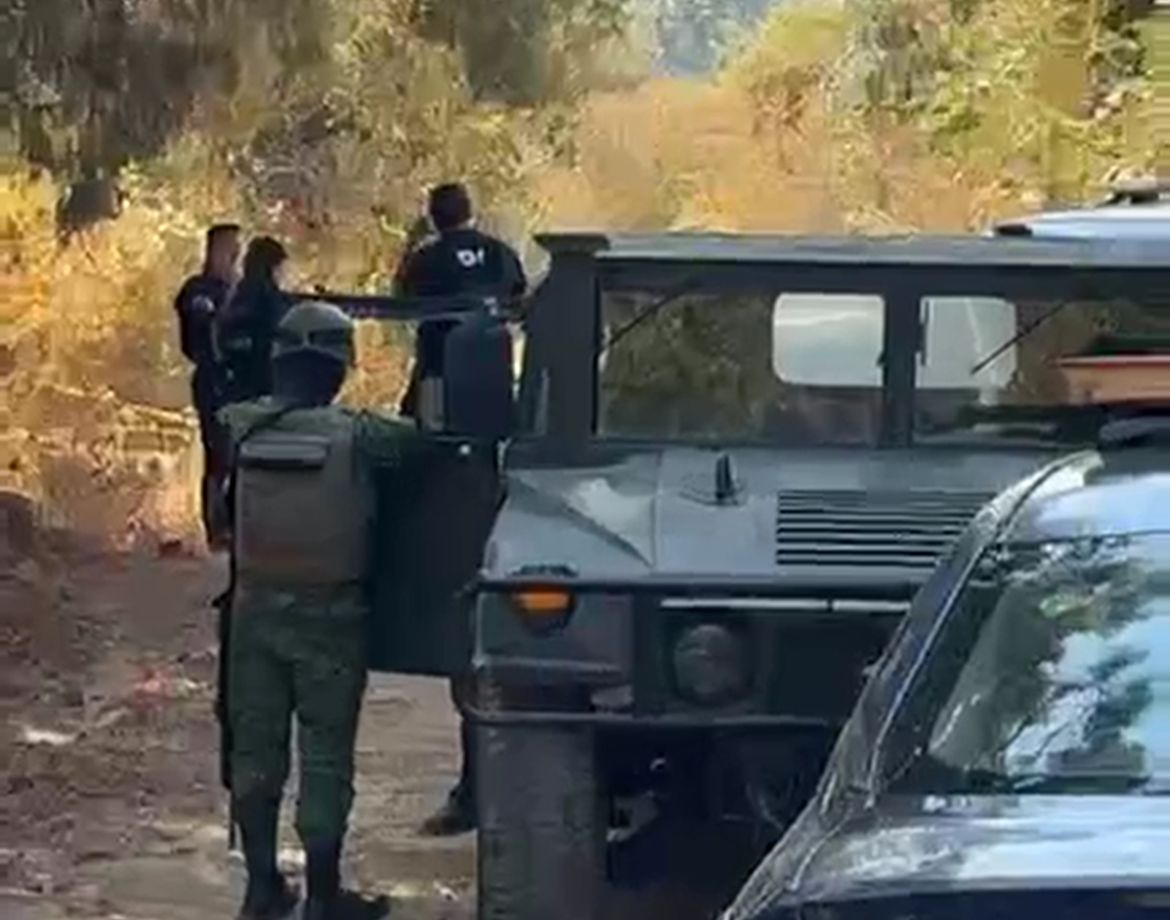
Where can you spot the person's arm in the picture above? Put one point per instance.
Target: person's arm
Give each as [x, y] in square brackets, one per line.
[405, 282]
[232, 418]
[273, 304]
[399, 285]
[387, 442]
[195, 311]
[518, 281]
[181, 298]
[233, 330]
[405, 285]
[185, 343]
[408, 405]
[409, 279]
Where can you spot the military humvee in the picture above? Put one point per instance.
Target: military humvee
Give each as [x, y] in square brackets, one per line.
[733, 462]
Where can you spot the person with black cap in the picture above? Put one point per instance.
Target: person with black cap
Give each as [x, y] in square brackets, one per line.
[457, 260]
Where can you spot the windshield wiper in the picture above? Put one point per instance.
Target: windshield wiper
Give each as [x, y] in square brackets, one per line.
[1041, 783]
[1019, 337]
[651, 310]
[931, 776]
[977, 781]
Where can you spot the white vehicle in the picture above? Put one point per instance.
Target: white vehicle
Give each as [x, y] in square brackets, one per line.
[1135, 211]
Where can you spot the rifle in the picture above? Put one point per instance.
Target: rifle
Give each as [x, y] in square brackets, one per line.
[416, 309]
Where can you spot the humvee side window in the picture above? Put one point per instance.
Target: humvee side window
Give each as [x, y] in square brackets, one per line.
[828, 340]
[960, 334]
[986, 361]
[795, 369]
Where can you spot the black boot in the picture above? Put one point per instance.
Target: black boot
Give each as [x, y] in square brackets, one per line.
[268, 896]
[326, 900]
[458, 814]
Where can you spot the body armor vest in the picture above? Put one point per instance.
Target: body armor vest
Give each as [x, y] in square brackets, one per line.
[303, 501]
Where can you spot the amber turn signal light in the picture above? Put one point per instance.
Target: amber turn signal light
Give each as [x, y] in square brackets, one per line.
[543, 608]
[540, 602]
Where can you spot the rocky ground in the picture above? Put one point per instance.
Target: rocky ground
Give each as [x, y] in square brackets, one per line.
[110, 805]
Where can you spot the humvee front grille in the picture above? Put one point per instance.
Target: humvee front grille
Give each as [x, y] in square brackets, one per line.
[856, 528]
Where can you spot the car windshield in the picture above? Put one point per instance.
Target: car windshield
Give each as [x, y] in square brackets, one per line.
[805, 368]
[1053, 674]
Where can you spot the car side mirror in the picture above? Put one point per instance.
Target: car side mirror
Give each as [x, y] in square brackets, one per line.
[478, 386]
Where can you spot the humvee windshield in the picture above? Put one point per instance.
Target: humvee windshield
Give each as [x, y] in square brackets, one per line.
[806, 368]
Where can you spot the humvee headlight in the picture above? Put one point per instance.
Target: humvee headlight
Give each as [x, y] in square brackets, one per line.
[543, 608]
[710, 665]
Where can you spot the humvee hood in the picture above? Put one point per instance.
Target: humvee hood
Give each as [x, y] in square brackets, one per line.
[624, 513]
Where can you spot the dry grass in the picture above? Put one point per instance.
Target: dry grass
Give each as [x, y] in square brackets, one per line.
[679, 155]
[92, 413]
[784, 140]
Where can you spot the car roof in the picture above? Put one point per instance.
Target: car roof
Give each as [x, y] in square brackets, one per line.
[909, 251]
[1108, 492]
[1146, 222]
[1135, 211]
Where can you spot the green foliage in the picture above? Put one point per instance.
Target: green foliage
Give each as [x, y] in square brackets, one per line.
[94, 85]
[1043, 92]
[794, 57]
[525, 51]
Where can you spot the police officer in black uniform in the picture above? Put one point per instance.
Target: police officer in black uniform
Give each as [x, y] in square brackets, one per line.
[246, 327]
[458, 259]
[198, 302]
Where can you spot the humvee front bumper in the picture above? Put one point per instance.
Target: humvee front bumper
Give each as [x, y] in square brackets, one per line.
[670, 654]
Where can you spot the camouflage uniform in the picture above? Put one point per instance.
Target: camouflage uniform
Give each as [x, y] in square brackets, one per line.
[301, 647]
[301, 529]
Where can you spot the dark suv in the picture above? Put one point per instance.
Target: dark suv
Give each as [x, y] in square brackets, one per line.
[735, 461]
[1011, 756]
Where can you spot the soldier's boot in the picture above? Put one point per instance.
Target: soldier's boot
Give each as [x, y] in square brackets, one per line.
[326, 900]
[456, 816]
[268, 895]
[458, 813]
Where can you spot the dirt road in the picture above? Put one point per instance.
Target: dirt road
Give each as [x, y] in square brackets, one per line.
[110, 805]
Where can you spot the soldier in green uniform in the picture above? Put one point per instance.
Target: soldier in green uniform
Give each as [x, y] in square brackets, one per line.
[302, 520]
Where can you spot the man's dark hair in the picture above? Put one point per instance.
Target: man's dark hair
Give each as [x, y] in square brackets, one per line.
[449, 206]
[263, 256]
[218, 231]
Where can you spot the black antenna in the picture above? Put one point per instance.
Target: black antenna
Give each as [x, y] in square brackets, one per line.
[725, 487]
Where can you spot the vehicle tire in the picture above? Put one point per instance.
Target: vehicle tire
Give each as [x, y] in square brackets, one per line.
[541, 824]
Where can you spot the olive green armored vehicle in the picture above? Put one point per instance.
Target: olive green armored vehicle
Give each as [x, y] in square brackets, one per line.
[672, 551]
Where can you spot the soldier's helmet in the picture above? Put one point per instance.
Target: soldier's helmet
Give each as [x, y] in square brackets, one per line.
[316, 327]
